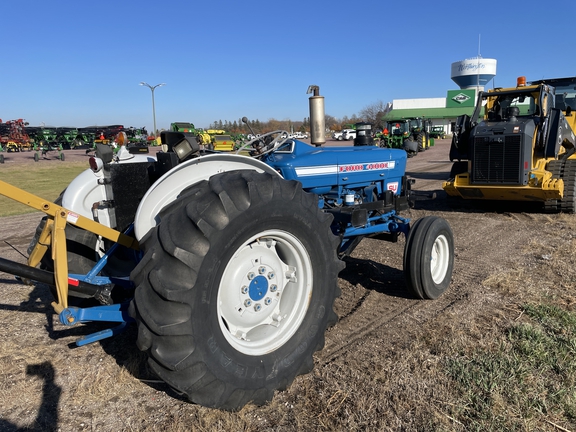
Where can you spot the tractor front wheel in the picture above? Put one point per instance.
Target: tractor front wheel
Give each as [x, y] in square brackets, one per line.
[236, 288]
[429, 257]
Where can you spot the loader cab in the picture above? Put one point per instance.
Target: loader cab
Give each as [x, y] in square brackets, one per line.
[503, 107]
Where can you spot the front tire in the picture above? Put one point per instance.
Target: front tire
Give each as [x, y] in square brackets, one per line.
[429, 257]
[236, 288]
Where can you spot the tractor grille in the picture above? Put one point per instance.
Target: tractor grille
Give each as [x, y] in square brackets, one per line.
[497, 159]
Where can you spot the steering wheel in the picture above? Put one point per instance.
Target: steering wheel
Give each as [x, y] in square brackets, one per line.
[265, 143]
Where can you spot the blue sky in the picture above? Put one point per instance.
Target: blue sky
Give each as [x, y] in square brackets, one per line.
[79, 63]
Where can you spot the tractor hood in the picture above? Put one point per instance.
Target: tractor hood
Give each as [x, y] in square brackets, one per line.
[319, 169]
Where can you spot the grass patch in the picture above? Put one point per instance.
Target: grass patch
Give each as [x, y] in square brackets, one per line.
[46, 181]
[526, 378]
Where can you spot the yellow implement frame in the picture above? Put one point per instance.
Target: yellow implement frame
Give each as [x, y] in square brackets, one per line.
[53, 235]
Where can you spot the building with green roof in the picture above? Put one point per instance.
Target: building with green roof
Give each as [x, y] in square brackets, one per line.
[440, 111]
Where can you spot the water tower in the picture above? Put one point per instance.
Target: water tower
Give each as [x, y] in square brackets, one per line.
[473, 73]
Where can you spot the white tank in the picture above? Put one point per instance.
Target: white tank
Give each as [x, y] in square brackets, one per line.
[473, 73]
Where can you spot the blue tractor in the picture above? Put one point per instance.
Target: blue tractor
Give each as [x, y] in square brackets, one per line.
[228, 263]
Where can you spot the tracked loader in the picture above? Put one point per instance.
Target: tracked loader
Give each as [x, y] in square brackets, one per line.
[519, 145]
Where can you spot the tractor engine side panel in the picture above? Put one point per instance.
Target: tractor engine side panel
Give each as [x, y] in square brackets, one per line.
[323, 170]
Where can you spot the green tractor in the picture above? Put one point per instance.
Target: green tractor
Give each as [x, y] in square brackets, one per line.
[437, 132]
[419, 131]
[397, 134]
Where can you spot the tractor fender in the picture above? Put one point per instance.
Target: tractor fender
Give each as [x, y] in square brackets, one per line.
[167, 188]
[83, 192]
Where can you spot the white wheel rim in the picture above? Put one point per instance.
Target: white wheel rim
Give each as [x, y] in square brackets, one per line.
[264, 292]
[439, 259]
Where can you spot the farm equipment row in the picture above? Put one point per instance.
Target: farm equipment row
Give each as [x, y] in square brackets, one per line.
[18, 136]
[227, 262]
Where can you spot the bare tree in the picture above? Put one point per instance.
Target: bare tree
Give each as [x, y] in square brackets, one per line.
[331, 122]
[373, 114]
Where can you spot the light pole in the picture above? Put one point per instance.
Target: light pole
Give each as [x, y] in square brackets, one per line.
[142, 83]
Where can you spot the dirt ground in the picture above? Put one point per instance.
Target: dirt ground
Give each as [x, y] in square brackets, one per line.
[379, 369]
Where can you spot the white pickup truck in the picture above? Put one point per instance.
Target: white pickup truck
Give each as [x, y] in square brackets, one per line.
[345, 134]
[349, 134]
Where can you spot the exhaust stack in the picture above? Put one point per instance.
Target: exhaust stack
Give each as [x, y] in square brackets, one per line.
[317, 116]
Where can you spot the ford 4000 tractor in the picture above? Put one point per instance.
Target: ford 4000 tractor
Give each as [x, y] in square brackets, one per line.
[227, 263]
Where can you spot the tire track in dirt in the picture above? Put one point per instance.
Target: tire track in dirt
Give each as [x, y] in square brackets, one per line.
[373, 313]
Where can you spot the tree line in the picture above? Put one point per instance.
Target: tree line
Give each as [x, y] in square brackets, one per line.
[370, 114]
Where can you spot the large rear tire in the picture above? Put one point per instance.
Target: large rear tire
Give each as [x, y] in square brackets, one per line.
[236, 288]
[429, 257]
[421, 140]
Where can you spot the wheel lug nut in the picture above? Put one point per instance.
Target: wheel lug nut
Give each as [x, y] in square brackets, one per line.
[267, 301]
[244, 289]
[250, 276]
[257, 307]
[273, 288]
[271, 275]
[262, 270]
[247, 303]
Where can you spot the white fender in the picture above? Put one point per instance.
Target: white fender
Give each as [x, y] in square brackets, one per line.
[84, 191]
[168, 187]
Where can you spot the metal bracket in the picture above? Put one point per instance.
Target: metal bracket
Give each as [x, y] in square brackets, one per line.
[111, 313]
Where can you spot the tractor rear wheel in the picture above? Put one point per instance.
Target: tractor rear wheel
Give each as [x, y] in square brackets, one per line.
[236, 288]
[421, 140]
[429, 257]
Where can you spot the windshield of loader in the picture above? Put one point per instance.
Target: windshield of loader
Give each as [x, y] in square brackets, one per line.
[501, 105]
